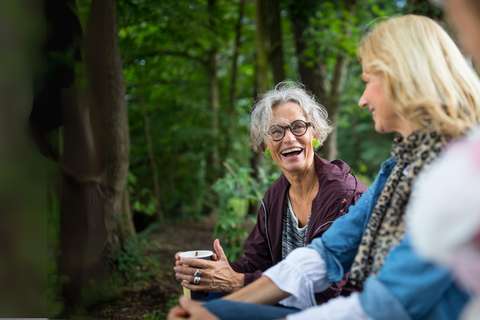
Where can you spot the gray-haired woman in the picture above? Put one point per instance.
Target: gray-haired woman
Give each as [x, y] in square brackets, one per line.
[310, 194]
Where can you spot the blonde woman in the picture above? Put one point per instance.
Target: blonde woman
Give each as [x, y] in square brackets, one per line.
[453, 207]
[418, 85]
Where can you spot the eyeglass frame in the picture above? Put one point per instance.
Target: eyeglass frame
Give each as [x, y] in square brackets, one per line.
[289, 126]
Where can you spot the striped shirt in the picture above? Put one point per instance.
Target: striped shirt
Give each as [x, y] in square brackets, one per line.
[292, 235]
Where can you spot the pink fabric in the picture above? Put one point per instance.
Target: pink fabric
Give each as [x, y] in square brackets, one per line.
[476, 240]
[466, 261]
[476, 152]
[466, 267]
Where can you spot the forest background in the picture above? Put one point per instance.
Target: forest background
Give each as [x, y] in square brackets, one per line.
[139, 112]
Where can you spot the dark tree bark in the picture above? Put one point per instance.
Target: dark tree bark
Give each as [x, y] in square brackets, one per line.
[236, 51]
[231, 121]
[329, 149]
[109, 112]
[214, 96]
[261, 45]
[424, 8]
[274, 22]
[313, 73]
[261, 74]
[95, 214]
[153, 164]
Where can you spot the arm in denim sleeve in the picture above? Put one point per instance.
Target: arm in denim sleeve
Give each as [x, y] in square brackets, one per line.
[338, 245]
[411, 286]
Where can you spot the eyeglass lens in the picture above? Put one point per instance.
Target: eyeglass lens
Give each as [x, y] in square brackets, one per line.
[297, 127]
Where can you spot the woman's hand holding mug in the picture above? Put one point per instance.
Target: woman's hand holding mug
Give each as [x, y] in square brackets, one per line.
[204, 275]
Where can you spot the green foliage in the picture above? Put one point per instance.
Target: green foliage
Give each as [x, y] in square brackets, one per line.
[155, 315]
[54, 306]
[135, 267]
[237, 190]
[95, 292]
[162, 314]
[134, 263]
[165, 45]
[141, 199]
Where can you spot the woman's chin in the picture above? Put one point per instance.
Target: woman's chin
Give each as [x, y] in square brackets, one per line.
[294, 164]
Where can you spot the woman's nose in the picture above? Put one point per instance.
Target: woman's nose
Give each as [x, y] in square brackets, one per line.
[362, 102]
[288, 135]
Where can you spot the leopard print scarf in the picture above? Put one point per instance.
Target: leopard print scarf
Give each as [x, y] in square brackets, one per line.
[386, 226]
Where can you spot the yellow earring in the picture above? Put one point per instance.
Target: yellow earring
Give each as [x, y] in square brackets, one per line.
[315, 143]
[267, 153]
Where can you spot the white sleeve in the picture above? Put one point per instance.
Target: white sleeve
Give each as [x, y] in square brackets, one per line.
[301, 273]
[340, 308]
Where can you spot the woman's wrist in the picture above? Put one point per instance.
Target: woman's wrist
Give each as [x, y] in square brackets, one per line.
[238, 282]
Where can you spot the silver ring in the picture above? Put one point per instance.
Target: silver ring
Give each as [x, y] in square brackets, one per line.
[196, 280]
[197, 273]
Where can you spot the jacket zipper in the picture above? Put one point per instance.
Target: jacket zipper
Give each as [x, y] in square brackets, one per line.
[331, 221]
[266, 231]
[320, 227]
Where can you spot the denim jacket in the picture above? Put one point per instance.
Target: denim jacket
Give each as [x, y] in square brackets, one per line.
[407, 286]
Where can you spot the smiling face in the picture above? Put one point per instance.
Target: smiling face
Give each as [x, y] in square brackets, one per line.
[380, 106]
[292, 154]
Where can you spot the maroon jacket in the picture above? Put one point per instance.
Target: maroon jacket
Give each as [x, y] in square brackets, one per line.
[338, 189]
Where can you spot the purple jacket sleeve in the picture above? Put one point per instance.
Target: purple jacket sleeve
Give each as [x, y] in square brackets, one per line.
[256, 256]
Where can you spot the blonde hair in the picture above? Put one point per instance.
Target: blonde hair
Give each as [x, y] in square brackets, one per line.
[284, 92]
[429, 81]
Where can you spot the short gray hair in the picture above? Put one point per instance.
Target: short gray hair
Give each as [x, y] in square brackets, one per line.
[285, 92]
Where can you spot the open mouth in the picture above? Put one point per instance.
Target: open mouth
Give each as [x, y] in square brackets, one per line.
[291, 152]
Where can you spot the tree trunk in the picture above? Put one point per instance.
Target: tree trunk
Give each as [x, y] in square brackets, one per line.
[153, 165]
[273, 18]
[236, 50]
[329, 149]
[231, 121]
[313, 75]
[261, 75]
[96, 219]
[261, 56]
[108, 109]
[214, 97]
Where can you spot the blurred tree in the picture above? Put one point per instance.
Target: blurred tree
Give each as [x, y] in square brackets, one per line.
[321, 68]
[86, 96]
[262, 82]
[275, 39]
[230, 122]
[214, 93]
[424, 8]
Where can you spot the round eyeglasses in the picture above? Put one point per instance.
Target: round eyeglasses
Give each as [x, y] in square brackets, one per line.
[297, 128]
